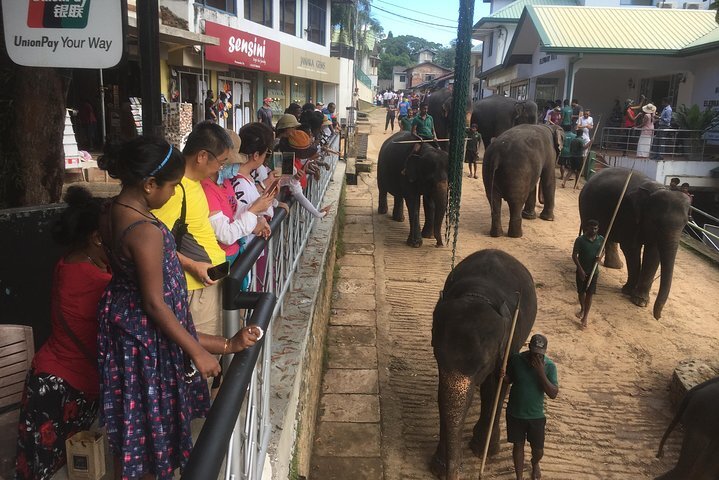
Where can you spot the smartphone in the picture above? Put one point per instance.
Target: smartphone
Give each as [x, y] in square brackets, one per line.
[288, 163]
[277, 163]
[219, 271]
[274, 186]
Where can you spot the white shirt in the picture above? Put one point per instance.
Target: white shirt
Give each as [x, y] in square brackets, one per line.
[583, 123]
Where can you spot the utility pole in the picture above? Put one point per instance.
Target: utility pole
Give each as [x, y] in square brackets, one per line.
[148, 25]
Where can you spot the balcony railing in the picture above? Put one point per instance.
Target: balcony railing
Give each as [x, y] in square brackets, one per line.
[662, 144]
[362, 77]
[245, 447]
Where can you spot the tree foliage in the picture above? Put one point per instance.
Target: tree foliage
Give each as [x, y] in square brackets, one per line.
[345, 19]
[403, 51]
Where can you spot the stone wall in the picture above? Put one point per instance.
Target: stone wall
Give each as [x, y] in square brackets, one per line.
[419, 72]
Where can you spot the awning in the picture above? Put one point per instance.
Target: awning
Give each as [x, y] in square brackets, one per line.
[175, 36]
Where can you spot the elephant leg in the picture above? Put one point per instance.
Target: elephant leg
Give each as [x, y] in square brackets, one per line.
[547, 187]
[398, 209]
[515, 219]
[650, 263]
[611, 256]
[440, 209]
[695, 459]
[632, 255]
[487, 392]
[529, 210]
[495, 205]
[414, 239]
[382, 208]
[428, 204]
[454, 397]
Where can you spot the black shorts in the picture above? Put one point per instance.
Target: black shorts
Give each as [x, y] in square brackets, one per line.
[519, 429]
[582, 284]
[470, 156]
[564, 161]
[575, 162]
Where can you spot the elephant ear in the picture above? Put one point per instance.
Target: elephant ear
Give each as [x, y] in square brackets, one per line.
[413, 170]
[558, 136]
[636, 201]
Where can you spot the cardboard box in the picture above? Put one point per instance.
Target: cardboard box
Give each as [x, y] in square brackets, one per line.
[85, 456]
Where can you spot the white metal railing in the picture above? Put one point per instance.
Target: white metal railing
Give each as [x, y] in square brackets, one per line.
[665, 143]
[248, 446]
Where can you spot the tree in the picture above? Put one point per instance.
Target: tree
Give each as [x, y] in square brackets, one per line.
[32, 122]
[404, 49]
[446, 55]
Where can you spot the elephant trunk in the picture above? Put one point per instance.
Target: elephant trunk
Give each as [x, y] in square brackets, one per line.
[440, 209]
[667, 257]
[455, 391]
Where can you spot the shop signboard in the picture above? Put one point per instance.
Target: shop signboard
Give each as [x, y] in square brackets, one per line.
[242, 49]
[304, 64]
[64, 33]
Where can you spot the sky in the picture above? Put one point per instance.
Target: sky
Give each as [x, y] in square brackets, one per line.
[442, 13]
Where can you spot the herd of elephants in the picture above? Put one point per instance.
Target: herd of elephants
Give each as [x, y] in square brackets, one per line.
[472, 318]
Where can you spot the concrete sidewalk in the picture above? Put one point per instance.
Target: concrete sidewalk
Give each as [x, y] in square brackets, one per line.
[348, 436]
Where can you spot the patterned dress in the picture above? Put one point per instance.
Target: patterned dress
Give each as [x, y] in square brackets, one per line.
[147, 402]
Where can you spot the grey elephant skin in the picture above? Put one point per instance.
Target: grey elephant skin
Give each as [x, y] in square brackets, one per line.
[699, 455]
[497, 114]
[439, 105]
[513, 164]
[408, 172]
[470, 329]
[651, 218]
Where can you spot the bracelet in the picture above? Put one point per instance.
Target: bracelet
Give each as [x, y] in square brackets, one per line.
[227, 344]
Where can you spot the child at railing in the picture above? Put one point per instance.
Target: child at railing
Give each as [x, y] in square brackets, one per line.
[152, 363]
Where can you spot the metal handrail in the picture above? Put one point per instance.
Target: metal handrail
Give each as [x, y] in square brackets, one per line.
[672, 143]
[246, 448]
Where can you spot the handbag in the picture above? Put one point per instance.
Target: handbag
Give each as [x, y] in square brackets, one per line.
[179, 229]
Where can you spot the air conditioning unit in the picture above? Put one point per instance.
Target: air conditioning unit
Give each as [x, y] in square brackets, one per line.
[665, 5]
[693, 6]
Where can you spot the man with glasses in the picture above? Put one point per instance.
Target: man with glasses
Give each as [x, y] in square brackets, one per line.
[206, 151]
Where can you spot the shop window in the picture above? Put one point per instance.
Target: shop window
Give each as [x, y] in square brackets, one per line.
[224, 5]
[298, 91]
[317, 21]
[288, 16]
[402, 78]
[259, 11]
[275, 89]
[519, 91]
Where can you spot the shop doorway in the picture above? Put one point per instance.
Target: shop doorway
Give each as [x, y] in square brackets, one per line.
[192, 90]
[238, 101]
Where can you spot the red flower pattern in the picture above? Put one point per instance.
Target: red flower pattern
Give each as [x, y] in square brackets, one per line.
[47, 434]
[70, 411]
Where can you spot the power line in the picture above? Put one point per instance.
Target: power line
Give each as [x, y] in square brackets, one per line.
[454, 27]
[425, 14]
[410, 22]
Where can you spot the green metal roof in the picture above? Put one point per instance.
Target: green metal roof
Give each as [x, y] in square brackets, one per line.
[621, 29]
[513, 11]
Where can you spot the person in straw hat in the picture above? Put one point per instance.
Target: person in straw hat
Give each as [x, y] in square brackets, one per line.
[647, 130]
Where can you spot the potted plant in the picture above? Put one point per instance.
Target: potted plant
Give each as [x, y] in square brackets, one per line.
[697, 122]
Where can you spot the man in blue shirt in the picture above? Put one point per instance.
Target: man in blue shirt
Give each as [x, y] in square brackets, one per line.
[663, 139]
[403, 107]
[532, 375]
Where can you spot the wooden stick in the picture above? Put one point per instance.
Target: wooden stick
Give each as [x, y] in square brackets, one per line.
[584, 160]
[609, 230]
[499, 387]
[424, 141]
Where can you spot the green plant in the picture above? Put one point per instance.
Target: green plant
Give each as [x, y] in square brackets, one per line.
[692, 118]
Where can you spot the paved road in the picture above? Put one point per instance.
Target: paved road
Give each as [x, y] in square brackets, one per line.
[613, 404]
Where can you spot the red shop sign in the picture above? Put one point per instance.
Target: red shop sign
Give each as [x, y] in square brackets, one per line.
[242, 49]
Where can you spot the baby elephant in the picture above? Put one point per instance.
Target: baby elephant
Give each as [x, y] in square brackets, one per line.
[699, 456]
[513, 164]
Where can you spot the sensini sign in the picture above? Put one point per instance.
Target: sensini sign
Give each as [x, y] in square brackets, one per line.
[64, 33]
[242, 49]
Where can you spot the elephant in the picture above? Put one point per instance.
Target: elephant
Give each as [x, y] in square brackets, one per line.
[513, 164]
[439, 105]
[470, 329]
[497, 114]
[411, 171]
[699, 455]
[650, 216]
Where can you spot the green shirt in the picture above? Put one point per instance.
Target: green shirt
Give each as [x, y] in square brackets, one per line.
[526, 398]
[425, 126]
[405, 123]
[588, 251]
[568, 137]
[473, 140]
[567, 115]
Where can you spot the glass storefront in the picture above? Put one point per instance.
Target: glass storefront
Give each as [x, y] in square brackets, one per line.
[299, 91]
[275, 89]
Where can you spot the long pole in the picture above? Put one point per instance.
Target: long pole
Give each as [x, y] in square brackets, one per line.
[609, 230]
[102, 108]
[148, 26]
[586, 156]
[499, 387]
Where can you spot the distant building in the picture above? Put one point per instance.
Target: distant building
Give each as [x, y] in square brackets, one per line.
[399, 78]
